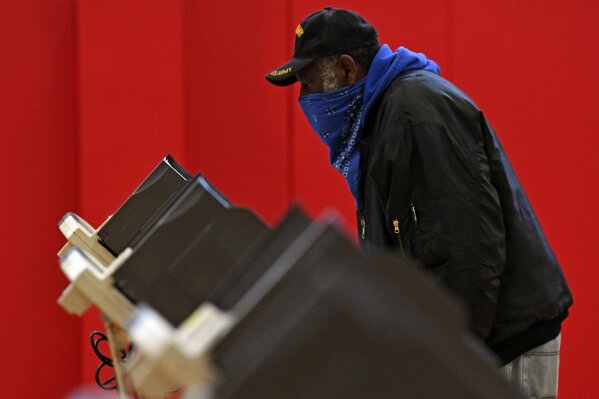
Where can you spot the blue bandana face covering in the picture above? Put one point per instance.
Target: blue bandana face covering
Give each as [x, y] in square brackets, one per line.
[337, 118]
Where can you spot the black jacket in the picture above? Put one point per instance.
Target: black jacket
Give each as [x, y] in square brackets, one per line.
[438, 188]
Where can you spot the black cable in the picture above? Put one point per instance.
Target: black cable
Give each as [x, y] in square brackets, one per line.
[96, 338]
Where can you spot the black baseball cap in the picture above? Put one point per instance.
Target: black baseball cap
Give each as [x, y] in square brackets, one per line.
[331, 31]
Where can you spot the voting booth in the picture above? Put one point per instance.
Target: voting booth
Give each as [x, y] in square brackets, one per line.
[215, 304]
[147, 250]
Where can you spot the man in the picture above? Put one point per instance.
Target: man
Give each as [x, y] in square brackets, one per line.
[431, 181]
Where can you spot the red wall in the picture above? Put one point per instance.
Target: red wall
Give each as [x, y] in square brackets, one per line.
[94, 92]
[235, 125]
[40, 350]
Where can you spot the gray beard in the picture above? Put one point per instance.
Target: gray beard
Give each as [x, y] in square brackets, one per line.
[330, 83]
[327, 74]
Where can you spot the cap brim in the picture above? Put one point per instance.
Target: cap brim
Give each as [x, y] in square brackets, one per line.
[285, 74]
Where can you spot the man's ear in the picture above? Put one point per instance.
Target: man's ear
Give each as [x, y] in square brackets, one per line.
[348, 70]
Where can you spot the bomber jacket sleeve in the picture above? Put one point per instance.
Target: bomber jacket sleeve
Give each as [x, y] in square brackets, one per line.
[436, 192]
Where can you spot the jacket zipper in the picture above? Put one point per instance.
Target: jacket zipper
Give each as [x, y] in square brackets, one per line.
[363, 225]
[397, 232]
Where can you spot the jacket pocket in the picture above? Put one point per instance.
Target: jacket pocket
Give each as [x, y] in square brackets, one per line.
[429, 235]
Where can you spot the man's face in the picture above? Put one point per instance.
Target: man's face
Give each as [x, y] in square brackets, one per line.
[325, 75]
[310, 79]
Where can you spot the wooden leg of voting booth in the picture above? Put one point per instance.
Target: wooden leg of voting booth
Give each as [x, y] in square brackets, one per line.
[116, 343]
[86, 262]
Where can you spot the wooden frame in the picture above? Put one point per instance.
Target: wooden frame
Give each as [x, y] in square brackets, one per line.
[165, 358]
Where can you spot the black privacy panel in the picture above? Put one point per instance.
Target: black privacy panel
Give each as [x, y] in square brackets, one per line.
[142, 207]
[334, 324]
[188, 251]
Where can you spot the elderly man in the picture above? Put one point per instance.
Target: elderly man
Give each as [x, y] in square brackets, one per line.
[432, 181]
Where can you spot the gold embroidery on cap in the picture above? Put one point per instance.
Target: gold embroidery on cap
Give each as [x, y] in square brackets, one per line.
[299, 31]
[281, 72]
